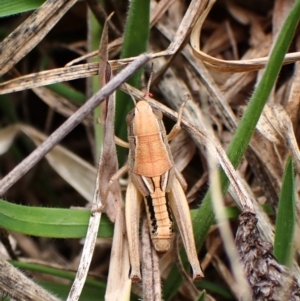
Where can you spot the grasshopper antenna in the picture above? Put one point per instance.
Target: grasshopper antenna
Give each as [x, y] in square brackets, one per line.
[132, 97]
[149, 83]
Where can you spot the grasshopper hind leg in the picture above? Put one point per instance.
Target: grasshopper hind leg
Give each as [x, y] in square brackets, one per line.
[132, 213]
[181, 212]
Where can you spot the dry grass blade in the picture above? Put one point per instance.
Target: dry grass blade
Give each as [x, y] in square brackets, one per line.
[196, 8]
[31, 32]
[75, 171]
[119, 263]
[48, 77]
[108, 161]
[7, 136]
[110, 192]
[76, 118]
[58, 75]
[15, 284]
[89, 246]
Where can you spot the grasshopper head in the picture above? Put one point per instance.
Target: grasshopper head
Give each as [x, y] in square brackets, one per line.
[144, 107]
[144, 111]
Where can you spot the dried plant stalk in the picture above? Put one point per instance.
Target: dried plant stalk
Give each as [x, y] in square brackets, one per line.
[18, 286]
[150, 267]
[269, 280]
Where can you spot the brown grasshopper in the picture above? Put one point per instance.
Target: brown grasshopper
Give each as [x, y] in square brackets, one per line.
[154, 179]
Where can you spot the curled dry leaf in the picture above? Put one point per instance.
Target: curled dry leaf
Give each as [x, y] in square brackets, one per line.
[276, 126]
[229, 65]
[269, 126]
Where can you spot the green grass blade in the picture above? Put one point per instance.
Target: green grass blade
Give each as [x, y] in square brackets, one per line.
[62, 291]
[135, 42]
[202, 296]
[68, 92]
[94, 33]
[12, 7]
[286, 218]
[204, 217]
[216, 289]
[55, 272]
[49, 222]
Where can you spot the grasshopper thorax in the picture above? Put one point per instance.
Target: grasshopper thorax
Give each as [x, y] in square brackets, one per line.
[144, 114]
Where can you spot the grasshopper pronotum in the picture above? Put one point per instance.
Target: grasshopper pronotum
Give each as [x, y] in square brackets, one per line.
[154, 178]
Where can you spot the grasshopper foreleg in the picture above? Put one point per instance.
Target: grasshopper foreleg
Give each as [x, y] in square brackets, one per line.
[114, 178]
[177, 127]
[121, 142]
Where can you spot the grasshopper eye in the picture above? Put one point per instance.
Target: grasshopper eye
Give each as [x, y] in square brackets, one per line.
[130, 116]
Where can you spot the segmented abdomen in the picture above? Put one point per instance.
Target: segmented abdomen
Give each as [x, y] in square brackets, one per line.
[160, 220]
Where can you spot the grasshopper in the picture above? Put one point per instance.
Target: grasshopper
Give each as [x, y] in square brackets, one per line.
[154, 179]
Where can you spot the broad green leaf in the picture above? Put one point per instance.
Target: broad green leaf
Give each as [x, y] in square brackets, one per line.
[49, 222]
[12, 7]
